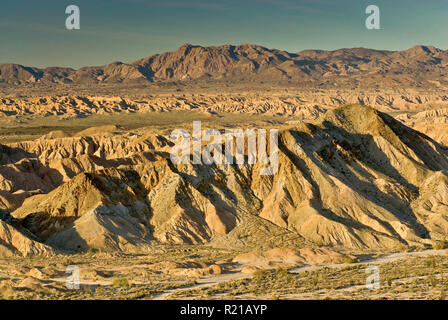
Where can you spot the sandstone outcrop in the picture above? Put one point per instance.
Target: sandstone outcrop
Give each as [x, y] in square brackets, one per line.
[288, 256]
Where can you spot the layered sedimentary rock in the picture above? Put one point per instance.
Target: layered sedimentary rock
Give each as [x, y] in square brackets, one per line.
[354, 178]
[302, 105]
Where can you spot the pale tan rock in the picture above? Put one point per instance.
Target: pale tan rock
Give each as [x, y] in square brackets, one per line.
[249, 269]
[15, 243]
[214, 270]
[35, 273]
[289, 257]
[30, 282]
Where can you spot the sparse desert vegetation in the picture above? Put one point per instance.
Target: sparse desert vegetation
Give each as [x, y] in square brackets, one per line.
[408, 278]
[161, 275]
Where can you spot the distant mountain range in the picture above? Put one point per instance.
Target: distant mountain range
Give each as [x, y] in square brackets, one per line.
[420, 66]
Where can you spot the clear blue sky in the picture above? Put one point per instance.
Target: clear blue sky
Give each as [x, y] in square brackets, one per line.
[32, 32]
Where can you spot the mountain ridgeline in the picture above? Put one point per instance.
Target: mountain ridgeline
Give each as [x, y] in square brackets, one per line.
[420, 66]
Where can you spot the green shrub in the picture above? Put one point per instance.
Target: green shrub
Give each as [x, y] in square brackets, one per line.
[92, 251]
[120, 282]
[389, 282]
[348, 259]
[430, 262]
[439, 245]
[433, 280]
[261, 274]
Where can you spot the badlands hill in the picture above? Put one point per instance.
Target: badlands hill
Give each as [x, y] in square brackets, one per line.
[295, 105]
[420, 66]
[354, 178]
[433, 122]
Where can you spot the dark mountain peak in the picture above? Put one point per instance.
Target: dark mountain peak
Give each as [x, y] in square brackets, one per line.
[186, 48]
[421, 49]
